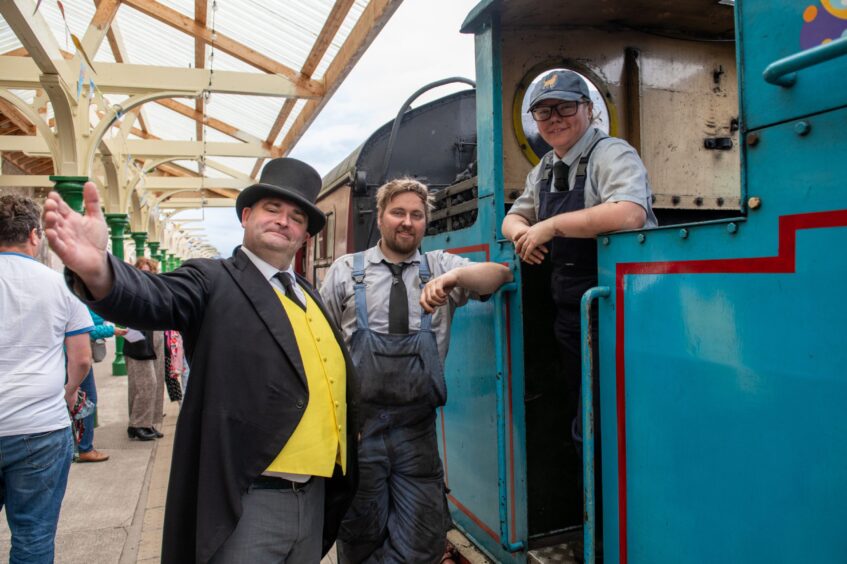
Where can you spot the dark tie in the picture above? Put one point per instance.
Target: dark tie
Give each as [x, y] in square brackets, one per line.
[560, 176]
[289, 288]
[398, 302]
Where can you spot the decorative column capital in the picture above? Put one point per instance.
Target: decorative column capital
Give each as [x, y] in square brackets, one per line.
[118, 222]
[70, 189]
[139, 237]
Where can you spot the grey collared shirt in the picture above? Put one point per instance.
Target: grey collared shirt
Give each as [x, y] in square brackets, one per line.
[337, 291]
[615, 174]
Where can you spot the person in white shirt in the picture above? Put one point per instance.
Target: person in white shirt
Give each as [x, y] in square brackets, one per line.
[42, 323]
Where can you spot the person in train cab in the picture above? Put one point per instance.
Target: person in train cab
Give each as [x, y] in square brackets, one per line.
[394, 305]
[263, 462]
[588, 184]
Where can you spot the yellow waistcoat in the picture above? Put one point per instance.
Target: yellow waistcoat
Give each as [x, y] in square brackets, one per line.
[319, 441]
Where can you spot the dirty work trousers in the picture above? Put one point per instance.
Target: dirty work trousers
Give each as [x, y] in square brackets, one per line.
[399, 514]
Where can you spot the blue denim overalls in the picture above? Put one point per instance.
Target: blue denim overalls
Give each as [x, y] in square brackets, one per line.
[399, 513]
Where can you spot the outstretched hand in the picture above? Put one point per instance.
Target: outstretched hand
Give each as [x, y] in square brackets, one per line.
[80, 240]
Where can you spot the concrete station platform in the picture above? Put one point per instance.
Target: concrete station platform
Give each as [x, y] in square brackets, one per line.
[113, 510]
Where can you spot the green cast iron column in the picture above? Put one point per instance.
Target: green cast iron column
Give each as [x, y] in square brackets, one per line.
[163, 259]
[118, 223]
[140, 237]
[70, 189]
[154, 249]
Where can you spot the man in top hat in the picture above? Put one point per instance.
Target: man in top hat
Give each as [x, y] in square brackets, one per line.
[589, 183]
[263, 464]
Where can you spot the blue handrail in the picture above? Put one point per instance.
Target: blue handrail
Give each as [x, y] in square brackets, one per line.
[588, 419]
[783, 71]
[502, 427]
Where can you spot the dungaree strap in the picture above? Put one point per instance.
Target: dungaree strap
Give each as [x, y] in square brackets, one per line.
[358, 275]
[581, 169]
[359, 288]
[424, 274]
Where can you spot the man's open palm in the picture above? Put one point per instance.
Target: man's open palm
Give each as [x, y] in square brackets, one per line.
[80, 241]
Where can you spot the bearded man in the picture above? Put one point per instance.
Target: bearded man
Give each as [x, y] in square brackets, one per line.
[394, 306]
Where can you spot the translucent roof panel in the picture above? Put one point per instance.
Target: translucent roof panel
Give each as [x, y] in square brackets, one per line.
[268, 33]
[255, 114]
[340, 37]
[170, 125]
[150, 42]
[298, 107]
[8, 40]
[216, 136]
[284, 30]
[185, 7]
[241, 164]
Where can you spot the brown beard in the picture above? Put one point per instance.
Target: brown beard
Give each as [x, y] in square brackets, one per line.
[394, 244]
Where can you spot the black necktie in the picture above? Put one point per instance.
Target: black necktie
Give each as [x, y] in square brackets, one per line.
[560, 176]
[398, 302]
[289, 288]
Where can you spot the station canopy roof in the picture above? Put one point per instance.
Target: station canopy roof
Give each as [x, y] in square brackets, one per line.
[311, 44]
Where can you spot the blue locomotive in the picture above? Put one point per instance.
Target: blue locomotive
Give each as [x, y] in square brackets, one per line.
[722, 356]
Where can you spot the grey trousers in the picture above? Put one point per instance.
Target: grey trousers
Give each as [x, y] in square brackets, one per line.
[277, 527]
[146, 386]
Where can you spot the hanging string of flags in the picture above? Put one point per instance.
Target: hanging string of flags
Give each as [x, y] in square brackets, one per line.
[87, 64]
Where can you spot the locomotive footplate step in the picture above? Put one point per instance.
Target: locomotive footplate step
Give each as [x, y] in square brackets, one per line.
[557, 554]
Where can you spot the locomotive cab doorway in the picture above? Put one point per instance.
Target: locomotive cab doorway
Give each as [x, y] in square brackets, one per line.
[554, 461]
[650, 92]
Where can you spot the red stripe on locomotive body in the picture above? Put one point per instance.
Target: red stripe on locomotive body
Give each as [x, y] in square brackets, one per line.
[783, 263]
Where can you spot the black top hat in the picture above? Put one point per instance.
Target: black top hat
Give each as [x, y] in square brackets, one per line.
[290, 180]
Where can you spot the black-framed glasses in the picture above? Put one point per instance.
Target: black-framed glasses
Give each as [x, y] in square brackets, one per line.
[564, 109]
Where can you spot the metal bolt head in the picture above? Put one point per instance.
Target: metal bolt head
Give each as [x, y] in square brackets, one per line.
[802, 128]
[754, 202]
[753, 139]
[606, 241]
[683, 233]
[642, 237]
[732, 228]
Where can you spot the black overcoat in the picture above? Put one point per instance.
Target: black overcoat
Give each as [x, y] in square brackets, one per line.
[246, 393]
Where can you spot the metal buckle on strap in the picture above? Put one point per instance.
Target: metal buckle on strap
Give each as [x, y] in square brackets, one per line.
[298, 486]
[278, 483]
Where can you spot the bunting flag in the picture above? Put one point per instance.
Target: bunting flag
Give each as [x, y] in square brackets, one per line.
[78, 45]
[91, 88]
[61, 9]
[37, 4]
[80, 81]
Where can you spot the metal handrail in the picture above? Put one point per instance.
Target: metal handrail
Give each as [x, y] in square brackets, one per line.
[395, 128]
[502, 428]
[783, 72]
[587, 347]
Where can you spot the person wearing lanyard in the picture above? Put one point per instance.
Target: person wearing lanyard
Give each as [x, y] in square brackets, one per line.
[588, 184]
[394, 306]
